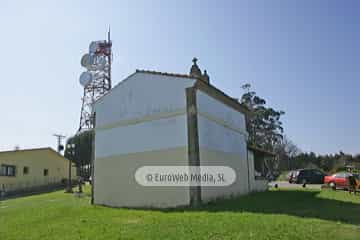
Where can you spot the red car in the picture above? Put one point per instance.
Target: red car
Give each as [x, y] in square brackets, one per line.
[338, 180]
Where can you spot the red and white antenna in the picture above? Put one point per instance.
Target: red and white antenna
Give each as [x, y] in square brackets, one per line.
[96, 80]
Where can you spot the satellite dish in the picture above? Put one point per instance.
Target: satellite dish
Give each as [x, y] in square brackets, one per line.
[95, 46]
[99, 63]
[85, 60]
[102, 61]
[88, 61]
[85, 78]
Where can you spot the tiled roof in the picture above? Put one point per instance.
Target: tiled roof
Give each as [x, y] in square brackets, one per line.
[32, 149]
[24, 150]
[166, 74]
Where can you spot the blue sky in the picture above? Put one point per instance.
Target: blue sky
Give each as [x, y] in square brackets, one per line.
[301, 56]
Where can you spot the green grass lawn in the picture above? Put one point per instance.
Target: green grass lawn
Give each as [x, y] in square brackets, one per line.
[277, 214]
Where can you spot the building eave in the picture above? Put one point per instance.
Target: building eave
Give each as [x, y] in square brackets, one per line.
[33, 150]
[166, 74]
[223, 97]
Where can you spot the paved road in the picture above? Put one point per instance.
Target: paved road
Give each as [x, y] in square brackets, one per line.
[284, 184]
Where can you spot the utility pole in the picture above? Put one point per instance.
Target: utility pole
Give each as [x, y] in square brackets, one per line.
[59, 137]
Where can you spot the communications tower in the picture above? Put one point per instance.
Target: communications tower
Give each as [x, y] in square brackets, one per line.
[96, 80]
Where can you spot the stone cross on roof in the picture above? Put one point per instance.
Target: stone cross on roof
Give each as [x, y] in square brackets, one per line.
[196, 72]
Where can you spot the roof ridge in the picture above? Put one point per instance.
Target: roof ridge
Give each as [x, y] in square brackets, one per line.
[166, 73]
[35, 149]
[28, 149]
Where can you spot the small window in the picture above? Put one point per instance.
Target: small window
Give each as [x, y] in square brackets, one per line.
[346, 175]
[304, 173]
[26, 170]
[46, 172]
[3, 170]
[315, 172]
[7, 170]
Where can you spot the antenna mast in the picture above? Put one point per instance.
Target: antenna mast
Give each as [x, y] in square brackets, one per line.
[96, 80]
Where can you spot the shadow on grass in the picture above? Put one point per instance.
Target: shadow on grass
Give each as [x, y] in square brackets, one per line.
[26, 193]
[296, 203]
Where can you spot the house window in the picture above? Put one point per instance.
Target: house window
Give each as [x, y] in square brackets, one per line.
[26, 170]
[46, 172]
[7, 170]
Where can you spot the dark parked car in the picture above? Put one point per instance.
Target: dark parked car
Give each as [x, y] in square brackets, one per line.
[302, 176]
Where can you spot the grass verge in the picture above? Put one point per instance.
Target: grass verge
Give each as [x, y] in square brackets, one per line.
[276, 214]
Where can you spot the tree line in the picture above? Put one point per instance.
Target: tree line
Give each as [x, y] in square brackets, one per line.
[266, 131]
[328, 162]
